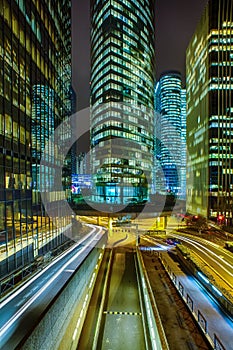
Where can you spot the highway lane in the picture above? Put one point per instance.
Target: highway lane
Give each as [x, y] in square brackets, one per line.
[215, 256]
[123, 327]
[212, 254]
[114, 319]
[21, 310]
[217, 321]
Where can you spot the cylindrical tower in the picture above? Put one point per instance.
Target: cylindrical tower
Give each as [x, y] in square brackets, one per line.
[168, 105]
[122, 82]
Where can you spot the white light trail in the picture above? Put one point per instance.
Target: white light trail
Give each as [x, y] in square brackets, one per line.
[13, 295]
[9, 323]
[195, 243]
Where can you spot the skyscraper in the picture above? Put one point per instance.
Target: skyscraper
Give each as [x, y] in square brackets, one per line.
[122, 80]
[35, 66]
[170, 121]
[209, 113]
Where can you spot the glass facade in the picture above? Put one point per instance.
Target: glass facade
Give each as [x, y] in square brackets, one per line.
[35, 77]
[170, 121]
[210, 112]
[122, 80]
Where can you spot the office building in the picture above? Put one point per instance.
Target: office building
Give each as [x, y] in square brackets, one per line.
[35, 66]
[209, 62]
[169, 130]
[122, 80]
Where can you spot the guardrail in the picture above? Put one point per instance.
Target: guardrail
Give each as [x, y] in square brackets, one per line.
[199, 317]
[215, 288]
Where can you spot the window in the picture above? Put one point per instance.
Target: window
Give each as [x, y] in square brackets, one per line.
[8, 125]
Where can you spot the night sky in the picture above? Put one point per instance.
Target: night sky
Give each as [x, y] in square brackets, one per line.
[175, 22]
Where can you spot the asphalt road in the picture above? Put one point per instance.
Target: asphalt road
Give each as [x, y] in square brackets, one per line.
[217, 321]
[214, 255]
[123, 327]
[21, 310]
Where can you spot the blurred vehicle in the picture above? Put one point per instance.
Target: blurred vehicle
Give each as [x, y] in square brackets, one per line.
[172, 241]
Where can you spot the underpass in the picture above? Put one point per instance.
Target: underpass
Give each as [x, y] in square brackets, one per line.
[119, 323]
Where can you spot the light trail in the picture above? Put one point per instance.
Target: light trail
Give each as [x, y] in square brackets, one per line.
[13, 295]
[159, 247]
[12, 320]
[202, 248]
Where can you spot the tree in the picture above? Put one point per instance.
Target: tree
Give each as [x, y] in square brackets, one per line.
[200, 223]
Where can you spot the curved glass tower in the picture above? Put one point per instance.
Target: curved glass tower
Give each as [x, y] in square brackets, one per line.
[169, 102]
[122, 82]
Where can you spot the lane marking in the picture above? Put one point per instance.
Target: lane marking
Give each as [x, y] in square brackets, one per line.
[123, 313]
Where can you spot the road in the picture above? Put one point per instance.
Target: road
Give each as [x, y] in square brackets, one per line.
[121, 325]
[212, 254]
[123, 328]
[21, 310]
[217, 321]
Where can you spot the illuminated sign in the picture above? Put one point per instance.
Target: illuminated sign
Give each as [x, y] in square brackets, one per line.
[81, 183]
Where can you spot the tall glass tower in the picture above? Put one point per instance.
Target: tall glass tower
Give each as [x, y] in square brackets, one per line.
[35, 77]
[169, 107]
[122, 80]
[210, 113]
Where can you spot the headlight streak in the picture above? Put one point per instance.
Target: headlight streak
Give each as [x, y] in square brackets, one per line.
[9, 323]
[159, 247]
[217, 291]
[203, 277]
[13, 295]
[195, 243]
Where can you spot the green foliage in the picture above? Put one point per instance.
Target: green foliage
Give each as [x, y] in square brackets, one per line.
[201, 223]
[198, 223]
